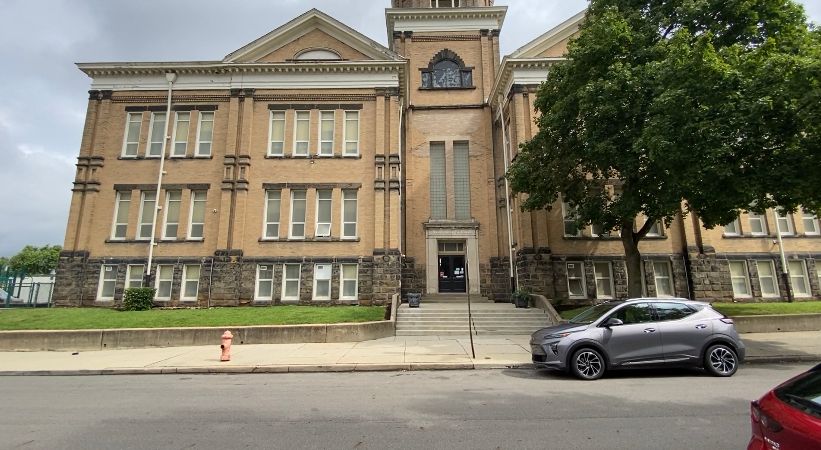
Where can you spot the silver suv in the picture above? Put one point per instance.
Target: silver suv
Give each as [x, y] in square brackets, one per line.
[647, 332]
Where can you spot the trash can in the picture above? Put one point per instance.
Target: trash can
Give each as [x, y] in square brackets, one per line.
[414, 299]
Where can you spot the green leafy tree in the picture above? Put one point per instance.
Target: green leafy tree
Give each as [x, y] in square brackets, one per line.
[36, 260]
[3, 262]
[670, 107]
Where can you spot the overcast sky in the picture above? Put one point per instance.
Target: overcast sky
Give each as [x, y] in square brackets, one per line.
[42, 107]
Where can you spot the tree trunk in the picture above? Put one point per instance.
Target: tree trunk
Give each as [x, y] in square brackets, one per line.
[633, 262]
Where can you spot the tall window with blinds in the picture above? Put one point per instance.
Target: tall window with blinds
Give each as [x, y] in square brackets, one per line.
[461, 179]
[438, 193]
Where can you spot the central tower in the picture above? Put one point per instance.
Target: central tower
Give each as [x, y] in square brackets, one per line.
[452, 48]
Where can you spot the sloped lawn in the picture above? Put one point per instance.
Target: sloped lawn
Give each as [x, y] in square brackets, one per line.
[93, 318]
[741, 309]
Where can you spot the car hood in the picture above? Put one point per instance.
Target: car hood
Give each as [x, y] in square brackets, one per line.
[561, 328]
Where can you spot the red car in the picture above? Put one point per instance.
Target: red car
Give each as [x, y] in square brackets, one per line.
[789, 416]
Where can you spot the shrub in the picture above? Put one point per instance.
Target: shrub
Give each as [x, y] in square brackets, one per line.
[521, 298]
[138, 299]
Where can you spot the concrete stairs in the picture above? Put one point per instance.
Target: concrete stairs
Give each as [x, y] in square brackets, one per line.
[447, 315]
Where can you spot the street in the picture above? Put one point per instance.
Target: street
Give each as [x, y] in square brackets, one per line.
[480, 409]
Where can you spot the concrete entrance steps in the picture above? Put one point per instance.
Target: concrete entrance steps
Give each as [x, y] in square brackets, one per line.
[454, 298]
[450, 318]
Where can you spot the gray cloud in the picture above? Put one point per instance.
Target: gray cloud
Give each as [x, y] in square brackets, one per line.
[43, 105]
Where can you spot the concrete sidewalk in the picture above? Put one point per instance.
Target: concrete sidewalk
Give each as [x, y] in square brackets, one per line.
[388, 354]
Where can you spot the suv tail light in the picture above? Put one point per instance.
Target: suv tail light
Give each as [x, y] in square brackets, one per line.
[765, 420]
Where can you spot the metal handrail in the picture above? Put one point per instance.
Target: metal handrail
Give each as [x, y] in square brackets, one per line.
[471, 326]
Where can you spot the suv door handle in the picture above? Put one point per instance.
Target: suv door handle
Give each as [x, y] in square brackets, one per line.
[701, 326]
[649, 330]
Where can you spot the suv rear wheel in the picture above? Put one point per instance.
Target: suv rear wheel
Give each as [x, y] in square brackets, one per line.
[587, 364]
[720, 361]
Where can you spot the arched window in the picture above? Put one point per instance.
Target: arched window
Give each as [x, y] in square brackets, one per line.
[318, 54]
[447, 71]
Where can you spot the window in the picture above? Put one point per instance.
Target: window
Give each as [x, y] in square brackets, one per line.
[182, 123]
[190, 282]
[163, 282]
[205, 134]
[134, 276]
[636, 313]
[672, 311]
[157, 128]
[656, 230]
[323, 213]
[290, 282]
[322, 282]
[810, 221]
[798, 279]
[173, 199]
[784, 222]
[265, 282]
[758, 224]
[569, 216]
[461, 180]
[277, 134]
[351, 133]
[438, 195]
[349, 214]
[767, 279]
[131, 141]
[739, 279]
[597, 229]
[576, 287]
[447, 71]
[664, 279]
[301, 132]
[147, 205]
[326, 133]
[604, 280]
[108, 280]
[733, 228]
[297, 215]
[444, 3]
[121, 207]
[272, 206]
[350, 282]
[196, 228]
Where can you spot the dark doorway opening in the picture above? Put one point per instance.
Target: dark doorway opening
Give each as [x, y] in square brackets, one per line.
[452, 273]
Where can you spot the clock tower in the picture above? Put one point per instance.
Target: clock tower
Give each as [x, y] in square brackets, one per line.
[449, 178]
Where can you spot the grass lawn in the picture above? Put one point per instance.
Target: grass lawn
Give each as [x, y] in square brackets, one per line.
[741, 309]
[756, 309]
[92, 318]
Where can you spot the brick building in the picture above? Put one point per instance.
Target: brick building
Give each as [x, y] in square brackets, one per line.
[315, 165]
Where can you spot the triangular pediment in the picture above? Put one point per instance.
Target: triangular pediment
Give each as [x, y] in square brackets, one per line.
[312, 33]
[552, 44]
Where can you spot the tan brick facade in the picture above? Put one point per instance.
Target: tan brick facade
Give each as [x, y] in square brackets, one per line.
[441, 84]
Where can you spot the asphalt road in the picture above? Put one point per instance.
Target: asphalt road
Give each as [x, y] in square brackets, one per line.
[484, 409]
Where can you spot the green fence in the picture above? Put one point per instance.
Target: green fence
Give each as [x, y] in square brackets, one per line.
[20, 291]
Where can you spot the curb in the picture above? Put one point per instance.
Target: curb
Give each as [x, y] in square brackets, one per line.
[775, 359]
[329, 368]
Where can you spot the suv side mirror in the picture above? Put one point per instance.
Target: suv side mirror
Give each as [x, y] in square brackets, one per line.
[612, 322]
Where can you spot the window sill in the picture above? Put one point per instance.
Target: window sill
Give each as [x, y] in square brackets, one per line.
[310, 239]
[104, 300]
[461, 88]
[771, 236]
[168, 157]
[312, 157]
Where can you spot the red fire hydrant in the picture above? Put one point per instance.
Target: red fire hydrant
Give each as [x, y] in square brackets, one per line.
[227, 337]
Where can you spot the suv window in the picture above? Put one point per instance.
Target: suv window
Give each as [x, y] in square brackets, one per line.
[672, 311]
[637, 313]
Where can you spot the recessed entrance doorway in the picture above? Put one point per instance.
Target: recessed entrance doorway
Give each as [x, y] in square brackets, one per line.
[452, 277]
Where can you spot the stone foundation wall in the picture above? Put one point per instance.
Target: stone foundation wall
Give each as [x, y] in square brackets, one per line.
[227, 279]
[500, 288]
[534, 271]
[413, 277]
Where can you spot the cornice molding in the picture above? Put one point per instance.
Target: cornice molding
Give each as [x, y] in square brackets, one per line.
[453, 19]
